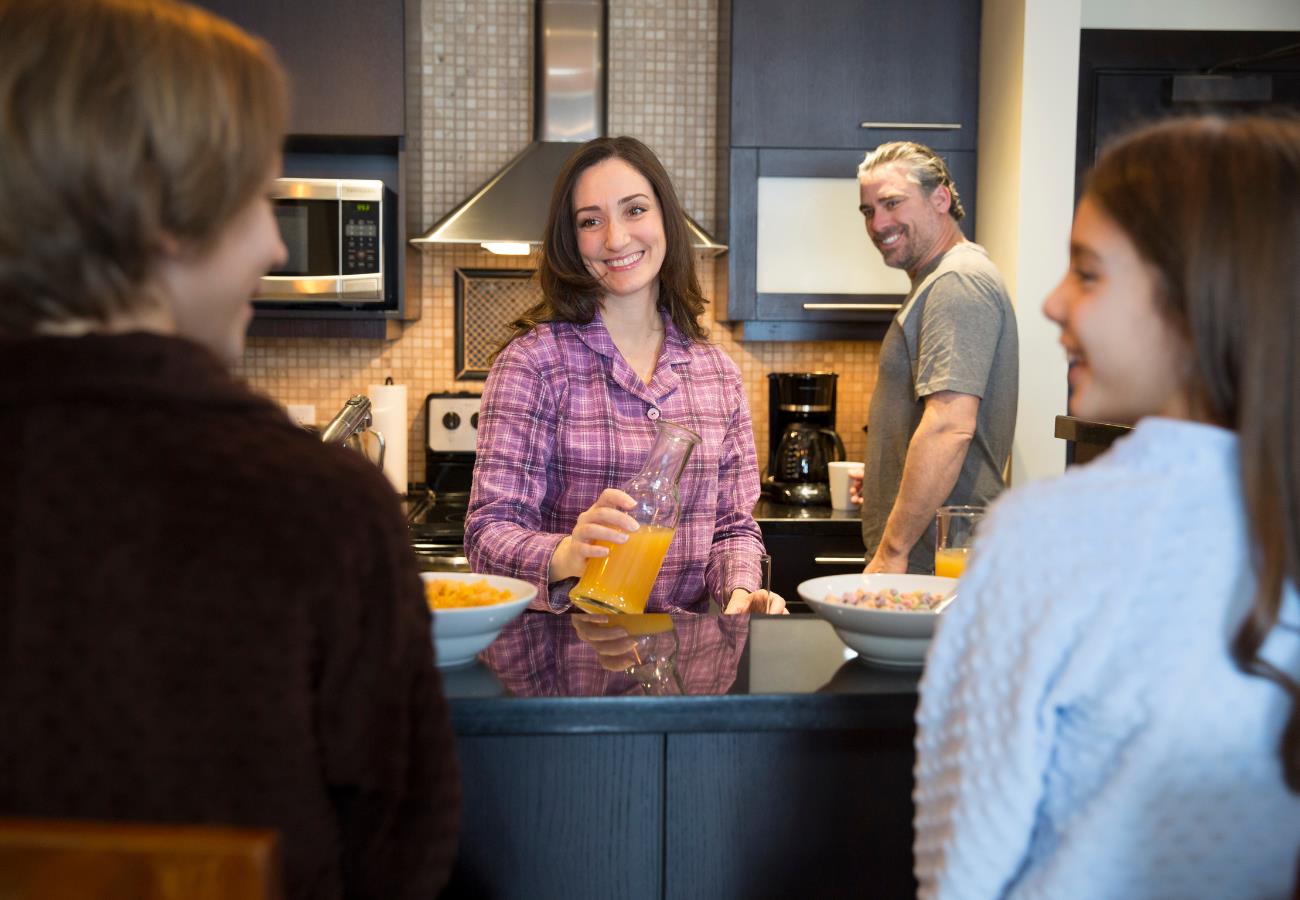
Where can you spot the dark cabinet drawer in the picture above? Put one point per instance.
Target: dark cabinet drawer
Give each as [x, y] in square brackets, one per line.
[798, 557]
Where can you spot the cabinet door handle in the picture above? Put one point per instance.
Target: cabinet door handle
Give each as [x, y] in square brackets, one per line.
[914, 126]
[840, 560]
[858, 306]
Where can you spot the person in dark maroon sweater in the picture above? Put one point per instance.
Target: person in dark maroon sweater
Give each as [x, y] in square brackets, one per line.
[205, 614]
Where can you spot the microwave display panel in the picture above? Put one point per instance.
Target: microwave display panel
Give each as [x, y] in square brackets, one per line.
[360, 237]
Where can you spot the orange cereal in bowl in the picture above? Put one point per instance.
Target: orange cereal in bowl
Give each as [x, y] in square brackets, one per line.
[444, 593]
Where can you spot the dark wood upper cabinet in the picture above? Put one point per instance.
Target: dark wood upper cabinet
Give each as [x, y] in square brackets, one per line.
[810, 74]
[347, 119]
[813, 87]
[344, 58]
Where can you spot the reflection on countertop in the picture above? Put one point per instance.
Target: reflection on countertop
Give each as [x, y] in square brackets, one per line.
[560, 673]
[578, 655]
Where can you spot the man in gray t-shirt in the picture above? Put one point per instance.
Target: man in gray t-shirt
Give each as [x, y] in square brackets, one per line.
[944, 408]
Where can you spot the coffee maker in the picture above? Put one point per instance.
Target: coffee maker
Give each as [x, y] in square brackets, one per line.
[801, 437]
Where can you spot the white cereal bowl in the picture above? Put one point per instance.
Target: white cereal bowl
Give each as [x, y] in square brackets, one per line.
[892, 638]
[459, 634]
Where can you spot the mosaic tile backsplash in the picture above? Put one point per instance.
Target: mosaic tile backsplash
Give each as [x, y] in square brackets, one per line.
[469, 111]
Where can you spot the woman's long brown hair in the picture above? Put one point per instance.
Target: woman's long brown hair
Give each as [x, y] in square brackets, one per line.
[572, 294]
[1214, 206]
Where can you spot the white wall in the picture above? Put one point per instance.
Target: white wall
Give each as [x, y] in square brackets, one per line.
[1202, 15]
[1029, 62]
[1029, 72]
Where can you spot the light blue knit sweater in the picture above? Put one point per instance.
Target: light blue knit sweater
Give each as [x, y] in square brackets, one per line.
[1083, 732]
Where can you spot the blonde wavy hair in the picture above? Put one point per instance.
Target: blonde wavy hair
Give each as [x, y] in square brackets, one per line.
[924, 167]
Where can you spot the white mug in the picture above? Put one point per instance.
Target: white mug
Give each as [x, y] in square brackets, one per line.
[841, 474]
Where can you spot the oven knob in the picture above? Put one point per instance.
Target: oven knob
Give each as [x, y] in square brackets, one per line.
[473, 421]
[451, 421]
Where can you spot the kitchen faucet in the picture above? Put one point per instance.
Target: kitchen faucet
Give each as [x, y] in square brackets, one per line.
[353, 419]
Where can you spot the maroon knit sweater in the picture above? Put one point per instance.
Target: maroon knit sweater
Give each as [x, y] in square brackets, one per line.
[208, 616]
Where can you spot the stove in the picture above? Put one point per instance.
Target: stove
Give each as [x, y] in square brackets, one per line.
[436, 516]
[432, 518]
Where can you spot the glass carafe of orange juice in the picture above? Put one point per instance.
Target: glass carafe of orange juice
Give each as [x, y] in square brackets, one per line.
[621, 582]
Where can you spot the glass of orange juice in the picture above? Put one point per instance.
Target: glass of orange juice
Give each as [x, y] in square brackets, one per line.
[956, 534]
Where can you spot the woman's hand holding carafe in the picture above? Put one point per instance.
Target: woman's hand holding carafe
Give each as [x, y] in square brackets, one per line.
[604, 520]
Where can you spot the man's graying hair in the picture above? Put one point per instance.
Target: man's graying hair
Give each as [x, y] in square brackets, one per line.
[924, 166]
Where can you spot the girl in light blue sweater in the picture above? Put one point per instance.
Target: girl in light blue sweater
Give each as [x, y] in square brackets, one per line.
[1111, 708]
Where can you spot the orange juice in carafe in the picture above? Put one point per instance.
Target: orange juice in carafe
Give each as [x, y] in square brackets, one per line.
[622, 581]
[950, 562]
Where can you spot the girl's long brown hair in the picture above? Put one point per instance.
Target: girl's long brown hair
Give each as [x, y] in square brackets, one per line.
[572, 294]
[1214, 206]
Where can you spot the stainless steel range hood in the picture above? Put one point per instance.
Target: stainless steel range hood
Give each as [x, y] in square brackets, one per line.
[569, 109]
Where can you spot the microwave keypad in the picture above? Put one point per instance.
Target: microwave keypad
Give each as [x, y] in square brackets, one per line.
[360, 237]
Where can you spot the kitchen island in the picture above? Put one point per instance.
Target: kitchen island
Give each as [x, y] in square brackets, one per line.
[724, 757]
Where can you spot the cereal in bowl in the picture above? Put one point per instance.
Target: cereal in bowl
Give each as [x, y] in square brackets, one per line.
[890, 599]
[444, 593]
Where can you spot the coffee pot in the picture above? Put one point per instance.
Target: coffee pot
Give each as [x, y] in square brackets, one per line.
[801, 460]
[802, 439]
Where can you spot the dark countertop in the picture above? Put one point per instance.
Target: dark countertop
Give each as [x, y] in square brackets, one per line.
[1088, 439]
[778, 518]
[726, 674]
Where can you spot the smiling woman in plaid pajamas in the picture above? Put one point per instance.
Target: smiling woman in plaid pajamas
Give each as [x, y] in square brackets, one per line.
[571, 402]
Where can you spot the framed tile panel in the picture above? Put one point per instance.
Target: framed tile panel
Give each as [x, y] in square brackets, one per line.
[487, 301]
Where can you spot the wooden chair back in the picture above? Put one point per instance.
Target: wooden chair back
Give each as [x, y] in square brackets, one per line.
[47, 859]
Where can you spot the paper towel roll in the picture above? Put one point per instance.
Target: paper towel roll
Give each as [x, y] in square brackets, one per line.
[388, 409]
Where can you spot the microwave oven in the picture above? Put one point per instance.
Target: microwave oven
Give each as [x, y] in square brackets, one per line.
[335, 234]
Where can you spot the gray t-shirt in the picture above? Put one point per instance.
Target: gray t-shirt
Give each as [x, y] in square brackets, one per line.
[956, 332]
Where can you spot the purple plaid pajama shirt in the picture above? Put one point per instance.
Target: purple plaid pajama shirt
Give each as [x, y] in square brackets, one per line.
[564, 416]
